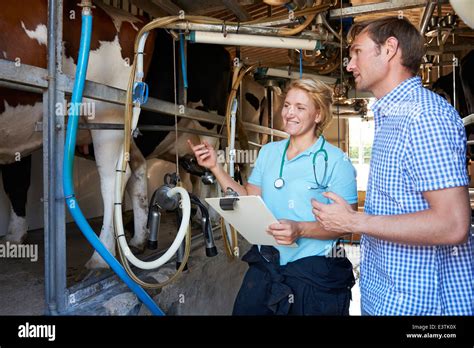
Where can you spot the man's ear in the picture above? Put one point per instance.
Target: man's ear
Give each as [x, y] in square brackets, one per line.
[390, 48]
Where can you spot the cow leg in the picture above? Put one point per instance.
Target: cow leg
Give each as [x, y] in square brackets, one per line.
[107, 145]
[137, 190]
[16, 182]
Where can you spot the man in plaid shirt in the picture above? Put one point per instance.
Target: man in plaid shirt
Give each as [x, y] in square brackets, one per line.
[417, 249]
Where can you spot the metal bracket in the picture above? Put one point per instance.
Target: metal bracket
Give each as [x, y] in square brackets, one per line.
[228, 202]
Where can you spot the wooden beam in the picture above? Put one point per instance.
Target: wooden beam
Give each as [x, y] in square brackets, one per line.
[203, 7]
[149, 8]
[168, 6]
[238, 10]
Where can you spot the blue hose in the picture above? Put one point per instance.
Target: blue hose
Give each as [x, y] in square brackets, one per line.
[183, 60]
[68, 166]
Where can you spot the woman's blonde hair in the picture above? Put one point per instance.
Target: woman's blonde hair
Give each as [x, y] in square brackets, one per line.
[321, 94]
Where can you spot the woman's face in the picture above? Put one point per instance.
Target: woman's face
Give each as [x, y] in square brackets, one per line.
[299, 113]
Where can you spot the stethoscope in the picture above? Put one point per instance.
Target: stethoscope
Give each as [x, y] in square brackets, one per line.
[279, 182]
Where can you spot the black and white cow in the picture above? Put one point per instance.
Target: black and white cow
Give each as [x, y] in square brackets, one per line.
[23, 35]
[464, 85]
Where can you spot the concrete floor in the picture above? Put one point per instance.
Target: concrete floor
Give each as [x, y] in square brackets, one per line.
[353, 254]
[22, 281]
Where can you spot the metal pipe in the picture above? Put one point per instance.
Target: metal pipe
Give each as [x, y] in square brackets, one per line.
[427, 13]
[151, 128]
[454, 81]
[250, 30]
[468, 120]
[55, 281]
[270, 108]
[254, 40]
[233, 120]
[20, 87]
[326, 24]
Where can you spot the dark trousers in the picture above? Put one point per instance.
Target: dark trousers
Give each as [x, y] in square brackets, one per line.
[315, 285]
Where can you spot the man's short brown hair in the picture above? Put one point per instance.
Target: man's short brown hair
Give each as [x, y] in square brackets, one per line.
[409, 38]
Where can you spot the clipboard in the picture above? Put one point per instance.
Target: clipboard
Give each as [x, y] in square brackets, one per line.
[250, 217]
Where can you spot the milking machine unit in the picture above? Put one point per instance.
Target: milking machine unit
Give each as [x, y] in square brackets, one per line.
[160, 202]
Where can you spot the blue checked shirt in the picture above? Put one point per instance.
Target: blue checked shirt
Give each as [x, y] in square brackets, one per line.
[419, 145]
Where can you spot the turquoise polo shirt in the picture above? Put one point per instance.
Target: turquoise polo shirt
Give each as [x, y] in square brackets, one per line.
[293, 200]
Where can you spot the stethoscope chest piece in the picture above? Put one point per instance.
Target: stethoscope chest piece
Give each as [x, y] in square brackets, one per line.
[279, 183]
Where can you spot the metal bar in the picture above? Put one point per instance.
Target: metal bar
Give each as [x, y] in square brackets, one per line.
[24, 74]
[454, 83]
[59, 206]
[427, 13]
[276, 23]
[48, 144]
[12, 85]
[393, 5]
[31, 76]
[147, 127]
[53, 138]
[238, 10]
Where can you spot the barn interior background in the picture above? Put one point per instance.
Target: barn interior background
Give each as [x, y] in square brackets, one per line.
[52, 283]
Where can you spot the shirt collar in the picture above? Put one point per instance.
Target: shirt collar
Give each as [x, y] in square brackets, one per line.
[387, 105]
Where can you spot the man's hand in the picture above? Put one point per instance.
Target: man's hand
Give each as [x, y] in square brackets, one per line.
[337, 217]
[285, 232]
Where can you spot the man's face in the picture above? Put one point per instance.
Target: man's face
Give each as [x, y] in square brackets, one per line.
[366, 63]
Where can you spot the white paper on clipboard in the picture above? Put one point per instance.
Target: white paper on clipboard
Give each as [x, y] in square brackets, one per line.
[250, 218]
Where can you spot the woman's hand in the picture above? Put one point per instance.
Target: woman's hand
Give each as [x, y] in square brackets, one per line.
[205, 154]
[285, 232]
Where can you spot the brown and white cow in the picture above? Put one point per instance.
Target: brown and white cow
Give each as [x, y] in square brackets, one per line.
[23, 38]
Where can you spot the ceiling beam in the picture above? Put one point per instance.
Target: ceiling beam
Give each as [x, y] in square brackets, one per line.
[206, 6]
[149, 8]
[168, 6]
[238, 10]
